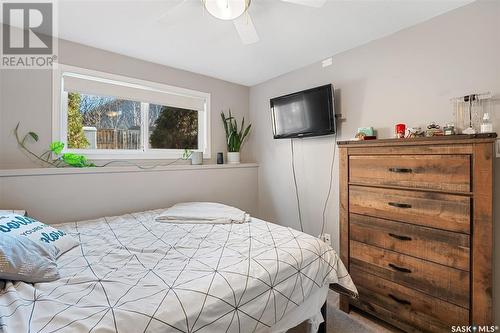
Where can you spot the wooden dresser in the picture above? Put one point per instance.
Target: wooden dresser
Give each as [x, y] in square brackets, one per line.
[416, 218]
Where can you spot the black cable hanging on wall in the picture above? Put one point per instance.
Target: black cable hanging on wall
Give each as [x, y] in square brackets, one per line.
[330, 185]
[296, 187]
[327, 199]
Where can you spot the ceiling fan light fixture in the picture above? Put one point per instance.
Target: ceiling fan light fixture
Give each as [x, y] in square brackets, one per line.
[226, 9]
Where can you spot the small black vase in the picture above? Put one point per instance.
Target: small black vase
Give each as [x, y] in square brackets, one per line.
[220, 158]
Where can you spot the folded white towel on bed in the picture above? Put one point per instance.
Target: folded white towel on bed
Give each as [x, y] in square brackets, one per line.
[203, 212]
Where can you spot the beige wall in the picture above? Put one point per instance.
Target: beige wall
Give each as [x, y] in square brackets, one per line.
[26, 96]
[67, 197]
[407, 77]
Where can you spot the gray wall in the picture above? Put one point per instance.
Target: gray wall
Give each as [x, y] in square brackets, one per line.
[407, 77]
[63, 196]
[26, 96]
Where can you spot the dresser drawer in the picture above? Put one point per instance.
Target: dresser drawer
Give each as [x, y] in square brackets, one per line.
[446, 283]
[399, 304]
[437, 210]
[437, 172]
[440, 246]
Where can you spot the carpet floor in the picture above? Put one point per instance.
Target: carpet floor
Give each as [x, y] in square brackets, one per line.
[341, 322]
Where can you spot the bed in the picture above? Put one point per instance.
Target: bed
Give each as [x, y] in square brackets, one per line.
[132, 273]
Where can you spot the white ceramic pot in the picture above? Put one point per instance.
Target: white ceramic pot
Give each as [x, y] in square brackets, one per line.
[196, 157]
[233, 158]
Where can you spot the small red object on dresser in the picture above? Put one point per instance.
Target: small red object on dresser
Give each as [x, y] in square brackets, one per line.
[400, 131]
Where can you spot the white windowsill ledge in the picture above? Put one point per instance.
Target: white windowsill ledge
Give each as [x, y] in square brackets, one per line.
[120, 169]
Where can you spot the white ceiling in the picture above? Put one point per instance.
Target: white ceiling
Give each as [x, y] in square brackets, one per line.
[179, 33]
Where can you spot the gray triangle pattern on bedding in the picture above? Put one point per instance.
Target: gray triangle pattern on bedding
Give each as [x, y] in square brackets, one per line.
[133, 274]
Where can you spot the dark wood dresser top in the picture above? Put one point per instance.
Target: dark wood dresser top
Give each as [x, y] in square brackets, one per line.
[434, 140]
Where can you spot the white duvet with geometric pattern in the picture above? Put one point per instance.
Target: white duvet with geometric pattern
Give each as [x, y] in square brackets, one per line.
[133, 274]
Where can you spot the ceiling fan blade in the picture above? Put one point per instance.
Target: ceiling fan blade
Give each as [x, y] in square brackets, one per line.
[246, 29]
[309, 3]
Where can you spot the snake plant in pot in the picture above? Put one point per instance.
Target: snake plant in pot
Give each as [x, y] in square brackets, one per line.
[234, 137]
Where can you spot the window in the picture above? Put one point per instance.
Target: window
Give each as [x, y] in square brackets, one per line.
[107, 116]
[172, 128]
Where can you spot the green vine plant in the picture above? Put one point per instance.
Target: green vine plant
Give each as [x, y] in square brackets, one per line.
[54, 156]
[234, 137]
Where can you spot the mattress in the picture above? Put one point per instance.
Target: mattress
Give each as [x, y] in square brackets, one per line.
[134, 274]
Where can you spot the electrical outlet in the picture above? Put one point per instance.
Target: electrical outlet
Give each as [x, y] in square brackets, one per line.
[326, 238]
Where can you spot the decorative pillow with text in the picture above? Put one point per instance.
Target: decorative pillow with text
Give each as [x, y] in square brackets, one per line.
[22, 259]
[41, 233]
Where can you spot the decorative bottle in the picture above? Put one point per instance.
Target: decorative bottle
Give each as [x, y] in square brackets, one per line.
[486, 125]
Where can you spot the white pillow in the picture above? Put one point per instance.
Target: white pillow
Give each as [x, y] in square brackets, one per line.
[18, 225]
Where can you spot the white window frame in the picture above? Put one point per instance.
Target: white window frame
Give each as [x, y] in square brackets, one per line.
[59, 117]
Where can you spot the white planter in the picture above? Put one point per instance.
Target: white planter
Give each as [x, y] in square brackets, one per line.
[233, 158]
[196, 158]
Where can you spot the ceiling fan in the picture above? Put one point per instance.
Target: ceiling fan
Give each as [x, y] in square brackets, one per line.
[237, 11]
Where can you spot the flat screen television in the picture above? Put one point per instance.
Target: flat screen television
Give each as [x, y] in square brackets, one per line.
[303, 114]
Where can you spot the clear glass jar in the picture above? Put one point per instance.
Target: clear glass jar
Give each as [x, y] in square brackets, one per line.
[468, 112]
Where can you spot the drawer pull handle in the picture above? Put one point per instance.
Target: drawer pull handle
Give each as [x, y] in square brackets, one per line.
[401, 269]
[399, 205]
[399, 300]
[400, 170]
[403, 238]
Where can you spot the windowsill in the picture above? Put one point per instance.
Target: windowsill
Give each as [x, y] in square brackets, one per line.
[120, 155]
[120, 169]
